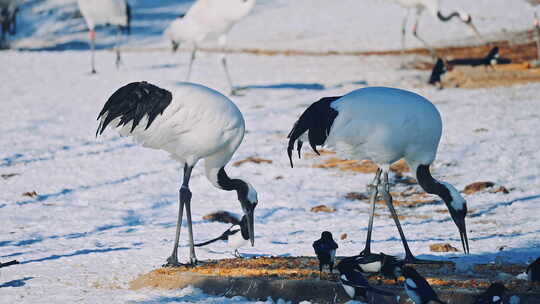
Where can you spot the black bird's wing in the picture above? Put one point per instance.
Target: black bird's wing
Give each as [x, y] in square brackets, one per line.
[322, 250]
[419, 285]
[356, 279]
[132, 102]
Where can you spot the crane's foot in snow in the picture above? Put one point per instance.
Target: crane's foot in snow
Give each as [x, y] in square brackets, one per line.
[238, 92]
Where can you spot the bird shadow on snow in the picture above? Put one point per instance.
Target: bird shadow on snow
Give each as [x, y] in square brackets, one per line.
[16, 283]
[76, 253]
[299, 86]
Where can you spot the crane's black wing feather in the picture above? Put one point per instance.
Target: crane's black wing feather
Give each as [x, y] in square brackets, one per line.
[132, 102]
[317, 121]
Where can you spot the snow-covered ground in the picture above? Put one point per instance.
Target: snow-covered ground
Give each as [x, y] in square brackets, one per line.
[314, 25]
[106, 208]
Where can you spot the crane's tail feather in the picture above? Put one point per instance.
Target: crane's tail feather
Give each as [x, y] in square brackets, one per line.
[133, 102]
[317, 121]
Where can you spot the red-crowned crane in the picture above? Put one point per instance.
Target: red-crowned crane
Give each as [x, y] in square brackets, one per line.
[105, 12]
[383, 125]
[196, 123]
[208, 19]
[433, 7]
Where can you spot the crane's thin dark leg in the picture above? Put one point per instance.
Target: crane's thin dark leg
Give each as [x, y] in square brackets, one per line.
[415, 33]
[537, 37]
[117, 47]
[93, 49]
[409, 257]
[373, 198]
[191, 59]
[403, 32]
[192, 257]
[184, 198]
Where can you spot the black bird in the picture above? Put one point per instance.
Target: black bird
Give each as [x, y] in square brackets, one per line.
[417, 287]
[325, 248]
[236, 236]
[14, 262]
[533, 271]
[353, 281]
[491, 59]
[493, 295]
[377, 263]
[438, 70]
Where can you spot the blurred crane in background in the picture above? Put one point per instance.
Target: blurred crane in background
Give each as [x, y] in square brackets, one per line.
[208, 19]
[433, 7]
[105, 12]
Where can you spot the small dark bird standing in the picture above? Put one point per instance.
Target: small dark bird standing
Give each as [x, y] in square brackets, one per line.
[325, 248]
[417, 287]
[493, 295]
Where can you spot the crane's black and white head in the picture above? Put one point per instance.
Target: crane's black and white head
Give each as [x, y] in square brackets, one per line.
[247, 196]
[467, 19]
[457, 206]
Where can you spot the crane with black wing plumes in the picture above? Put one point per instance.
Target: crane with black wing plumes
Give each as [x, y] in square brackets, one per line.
[383, 125]
[192, 124]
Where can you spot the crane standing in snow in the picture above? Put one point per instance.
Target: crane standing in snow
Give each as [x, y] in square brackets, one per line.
[383, 125]
[433, 6]
[208, 19]
[105, 12]
[198, 123]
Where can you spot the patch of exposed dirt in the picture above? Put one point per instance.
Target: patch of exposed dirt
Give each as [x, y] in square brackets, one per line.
[306, 268]
[252, 159]
[482, 77]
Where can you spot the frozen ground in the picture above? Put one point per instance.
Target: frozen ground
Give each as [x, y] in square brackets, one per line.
[106, 208]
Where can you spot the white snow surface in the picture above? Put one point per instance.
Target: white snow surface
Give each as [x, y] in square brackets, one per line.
[106, 208]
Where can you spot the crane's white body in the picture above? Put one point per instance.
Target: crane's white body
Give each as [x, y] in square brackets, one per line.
[103, 12]
[420, 5]
[208, 19]
[384, 125]
[200, 123]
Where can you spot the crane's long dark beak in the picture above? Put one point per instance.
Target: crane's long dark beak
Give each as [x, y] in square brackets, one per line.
[251, 227]
[460, 223]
